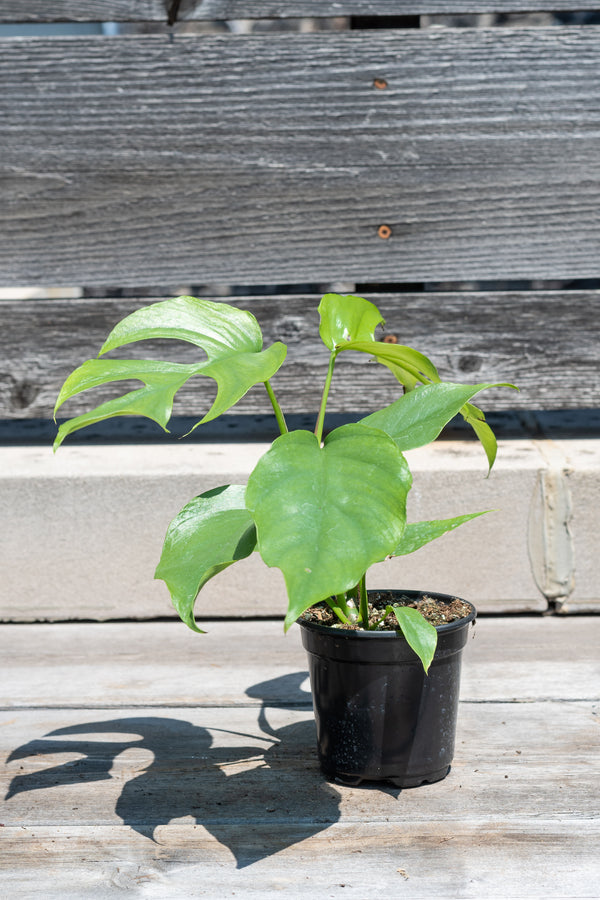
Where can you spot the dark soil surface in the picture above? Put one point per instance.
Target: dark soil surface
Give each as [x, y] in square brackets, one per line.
[437, 612]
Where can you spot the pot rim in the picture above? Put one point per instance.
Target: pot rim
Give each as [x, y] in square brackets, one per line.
[349, 634]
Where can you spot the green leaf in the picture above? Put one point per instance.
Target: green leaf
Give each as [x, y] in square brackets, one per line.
[419, 633]
[210, 533]
[418, 417]
[154, 400]
[216, 327]
[408, 365]
[231, 339]
[476, 419]
[347, 318]
[417, 534]
[235, 374]
[412, 368]
[325, 514]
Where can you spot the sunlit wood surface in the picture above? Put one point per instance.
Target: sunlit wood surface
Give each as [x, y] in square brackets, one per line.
[141, 759]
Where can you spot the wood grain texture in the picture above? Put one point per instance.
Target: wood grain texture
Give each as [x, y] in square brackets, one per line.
[57, 665]
[210, 798]
[144, 161]
[527, 338]
[155, 10]
[420, 861]
[197, 751]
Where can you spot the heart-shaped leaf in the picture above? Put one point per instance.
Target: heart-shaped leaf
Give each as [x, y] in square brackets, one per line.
[417, 534]
[210, 533]
[325, 514]
[347, 318]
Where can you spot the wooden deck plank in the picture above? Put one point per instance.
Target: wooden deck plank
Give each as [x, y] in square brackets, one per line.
[146, 767]
[91, 665]
[210, 785]
[358, 861]
[216, 804]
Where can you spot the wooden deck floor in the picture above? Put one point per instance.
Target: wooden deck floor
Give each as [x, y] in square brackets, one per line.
[144, 761]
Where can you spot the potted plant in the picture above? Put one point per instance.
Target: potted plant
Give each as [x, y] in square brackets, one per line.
[323, 508]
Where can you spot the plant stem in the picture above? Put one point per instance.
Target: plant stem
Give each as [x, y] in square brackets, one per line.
[327, 385]
[276, 408]
[338, 606]
[364, 602]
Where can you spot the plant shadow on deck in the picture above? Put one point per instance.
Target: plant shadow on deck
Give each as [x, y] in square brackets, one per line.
[284, 791]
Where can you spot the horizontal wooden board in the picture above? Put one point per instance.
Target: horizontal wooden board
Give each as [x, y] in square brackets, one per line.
[222, 794]
[139, 10]
[359, 862]
[162, 802]
[65, 665]
[526, 338]
[422, 861]
[206, 756]
[147, 161]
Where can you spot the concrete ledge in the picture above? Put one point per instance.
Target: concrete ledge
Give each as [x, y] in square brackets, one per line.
[82, 530]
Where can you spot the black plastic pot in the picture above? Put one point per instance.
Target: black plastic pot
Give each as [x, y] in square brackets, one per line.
[378, 716]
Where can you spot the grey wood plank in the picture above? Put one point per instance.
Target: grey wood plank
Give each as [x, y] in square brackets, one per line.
[270, 161]
[358, 861]
[232, 807]
[240, 766]
[231, 101]
[526, 338]
[246, 663]
[233, 798]
[136, 10]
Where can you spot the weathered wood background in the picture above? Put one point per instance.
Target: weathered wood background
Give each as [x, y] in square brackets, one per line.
[472, 336]
[157, 10]
[202, 159]
[140, 160]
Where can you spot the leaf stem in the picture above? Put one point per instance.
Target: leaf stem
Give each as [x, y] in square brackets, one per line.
[338, 606]
[327, 385]
[276, 409]
[364, 602]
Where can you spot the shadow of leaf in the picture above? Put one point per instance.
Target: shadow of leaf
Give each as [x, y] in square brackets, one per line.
[256, 797]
